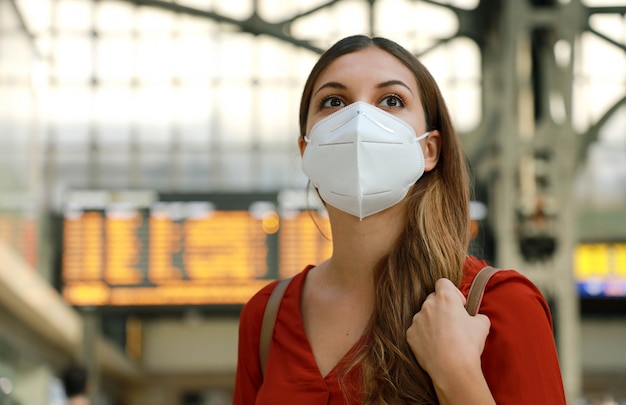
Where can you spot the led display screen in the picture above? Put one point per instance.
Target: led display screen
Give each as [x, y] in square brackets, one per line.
[600, 270]
[186, 250]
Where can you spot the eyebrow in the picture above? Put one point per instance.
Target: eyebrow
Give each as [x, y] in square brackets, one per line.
[393, 83]
[337, 85]
[334, 85]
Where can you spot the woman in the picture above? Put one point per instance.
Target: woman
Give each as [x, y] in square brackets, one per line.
[382, 320]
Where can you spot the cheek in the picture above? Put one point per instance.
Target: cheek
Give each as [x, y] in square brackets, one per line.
[418, 125]
[310, 121]
[414, 119]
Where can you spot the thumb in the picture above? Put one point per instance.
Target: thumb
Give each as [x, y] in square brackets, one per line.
[463, 297]
[484, 321]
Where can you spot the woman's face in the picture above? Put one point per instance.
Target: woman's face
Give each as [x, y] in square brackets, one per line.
[370, 75]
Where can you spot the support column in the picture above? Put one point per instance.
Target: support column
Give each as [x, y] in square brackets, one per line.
[91, 319]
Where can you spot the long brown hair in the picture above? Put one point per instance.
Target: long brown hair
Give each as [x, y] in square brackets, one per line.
[433, 244]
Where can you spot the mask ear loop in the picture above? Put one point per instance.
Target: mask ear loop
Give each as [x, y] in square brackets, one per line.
[310, 211]
[423, 136]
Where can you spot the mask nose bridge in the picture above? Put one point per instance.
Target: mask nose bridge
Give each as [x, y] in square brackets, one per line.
[349, 118]
[378, 123]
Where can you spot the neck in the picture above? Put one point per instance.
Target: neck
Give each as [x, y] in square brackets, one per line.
[358, 246]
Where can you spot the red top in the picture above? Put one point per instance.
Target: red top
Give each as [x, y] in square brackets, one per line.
[519, 361]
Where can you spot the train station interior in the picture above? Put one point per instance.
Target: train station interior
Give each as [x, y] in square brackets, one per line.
[151, 182]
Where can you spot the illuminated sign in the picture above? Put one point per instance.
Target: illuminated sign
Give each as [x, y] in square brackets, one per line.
[600, 269]
[18, 225]
[185, 252]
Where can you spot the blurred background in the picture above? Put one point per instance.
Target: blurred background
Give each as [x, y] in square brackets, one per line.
[150, 180]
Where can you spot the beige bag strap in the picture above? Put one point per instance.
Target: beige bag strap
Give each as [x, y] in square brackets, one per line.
[269, 319]
[477, 289]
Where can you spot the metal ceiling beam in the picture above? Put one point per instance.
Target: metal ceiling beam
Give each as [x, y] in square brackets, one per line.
[592, 133]
[254, 24]
[24, 27]
[591, 11]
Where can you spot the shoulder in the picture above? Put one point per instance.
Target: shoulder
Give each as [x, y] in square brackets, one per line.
[507, 292]
[508, 281]
[256, 305]
[471, 267]
[252, 312]
[511, 301]
[510, 294]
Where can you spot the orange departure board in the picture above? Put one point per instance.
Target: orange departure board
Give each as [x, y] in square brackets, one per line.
[174, 253]
[304, 238]
[19, 231]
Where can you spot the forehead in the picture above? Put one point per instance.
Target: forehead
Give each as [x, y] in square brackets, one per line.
[367, 66]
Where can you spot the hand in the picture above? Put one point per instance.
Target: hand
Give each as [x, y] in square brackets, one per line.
[444, 338]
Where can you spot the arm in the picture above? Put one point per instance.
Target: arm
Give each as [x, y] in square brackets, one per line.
[448, 343]
[248, 379]
[520, 361]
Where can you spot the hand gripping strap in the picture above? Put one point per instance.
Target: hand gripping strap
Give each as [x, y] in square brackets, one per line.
[269, 319]
[477, 289]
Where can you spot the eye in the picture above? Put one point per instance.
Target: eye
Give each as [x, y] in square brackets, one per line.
[391, 101]
[332, 102]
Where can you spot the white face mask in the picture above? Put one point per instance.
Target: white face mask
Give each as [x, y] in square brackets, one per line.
[362, 159]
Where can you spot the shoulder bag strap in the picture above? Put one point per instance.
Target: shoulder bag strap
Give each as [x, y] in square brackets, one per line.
[474, 298]
[269, 319]
[477, 289]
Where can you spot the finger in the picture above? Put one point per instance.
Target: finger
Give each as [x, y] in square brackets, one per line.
[484, 319]
[463, 298]
[445, 285]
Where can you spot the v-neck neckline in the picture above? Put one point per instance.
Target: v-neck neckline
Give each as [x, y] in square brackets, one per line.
[300, 328]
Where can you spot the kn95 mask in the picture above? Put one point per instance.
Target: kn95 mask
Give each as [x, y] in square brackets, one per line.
[362, 159]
